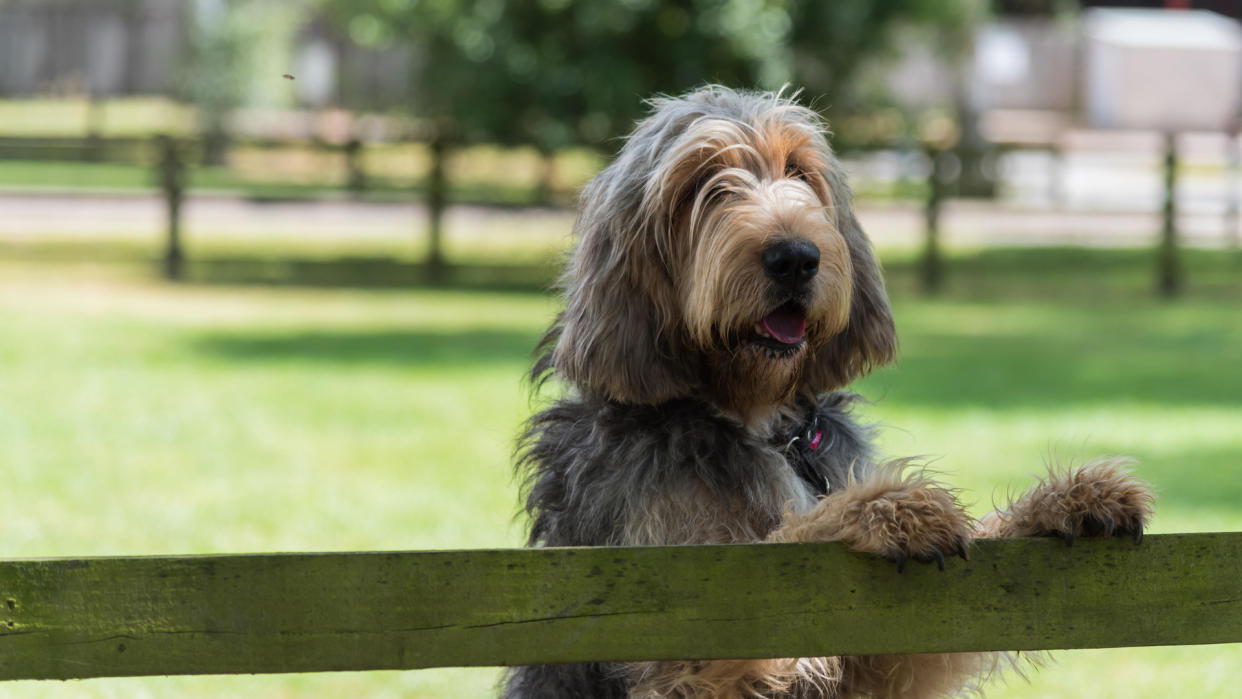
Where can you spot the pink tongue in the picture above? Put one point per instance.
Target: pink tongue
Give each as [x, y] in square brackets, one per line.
[785, 325]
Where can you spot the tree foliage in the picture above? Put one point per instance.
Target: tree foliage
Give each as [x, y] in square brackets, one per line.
[830, 41]
[558, 72]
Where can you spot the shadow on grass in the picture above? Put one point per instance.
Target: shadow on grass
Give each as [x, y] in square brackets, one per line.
[448, 348]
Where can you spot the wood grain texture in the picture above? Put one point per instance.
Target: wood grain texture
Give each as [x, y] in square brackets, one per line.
[77, 618]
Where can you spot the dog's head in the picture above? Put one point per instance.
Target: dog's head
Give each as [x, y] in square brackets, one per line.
[718, 258]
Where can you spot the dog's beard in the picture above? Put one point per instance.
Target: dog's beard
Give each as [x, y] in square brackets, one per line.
[761, 360]
[750, 376]
[760, 365]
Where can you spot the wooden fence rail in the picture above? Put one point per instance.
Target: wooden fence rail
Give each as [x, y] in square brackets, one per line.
[94, 617]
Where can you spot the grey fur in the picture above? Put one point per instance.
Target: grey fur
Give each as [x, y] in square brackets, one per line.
[641, 451]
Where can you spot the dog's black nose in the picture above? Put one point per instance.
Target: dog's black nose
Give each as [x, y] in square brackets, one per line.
[791, 262]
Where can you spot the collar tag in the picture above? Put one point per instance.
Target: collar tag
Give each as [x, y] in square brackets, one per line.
[816, 437]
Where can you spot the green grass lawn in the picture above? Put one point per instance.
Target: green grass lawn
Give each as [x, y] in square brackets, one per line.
[146, 418]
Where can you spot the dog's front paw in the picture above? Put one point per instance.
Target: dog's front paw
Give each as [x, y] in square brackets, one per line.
[901, 516]
[1100, 499]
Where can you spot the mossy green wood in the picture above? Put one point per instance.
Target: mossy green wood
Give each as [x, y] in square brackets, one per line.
[80, 618]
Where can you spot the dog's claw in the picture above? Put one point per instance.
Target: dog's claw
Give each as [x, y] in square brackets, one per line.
[936, 556]
[963, 550]
[1104, 529]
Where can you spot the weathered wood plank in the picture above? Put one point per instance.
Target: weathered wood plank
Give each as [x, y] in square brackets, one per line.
[79, 618]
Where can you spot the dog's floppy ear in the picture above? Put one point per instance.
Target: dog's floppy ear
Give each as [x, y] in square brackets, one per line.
[614, 337]
[869, 339]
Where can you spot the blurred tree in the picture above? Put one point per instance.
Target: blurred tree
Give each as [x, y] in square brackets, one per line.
[227, 62]
[830, 42]
[1027, 8]
[555, 73]
[213, 72]
[577, 73]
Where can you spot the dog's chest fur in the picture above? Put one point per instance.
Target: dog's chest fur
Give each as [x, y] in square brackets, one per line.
[605, 473]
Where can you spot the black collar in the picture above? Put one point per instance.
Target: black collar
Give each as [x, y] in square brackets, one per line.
[801, 447]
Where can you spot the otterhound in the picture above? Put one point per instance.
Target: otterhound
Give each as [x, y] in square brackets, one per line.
[720, 295]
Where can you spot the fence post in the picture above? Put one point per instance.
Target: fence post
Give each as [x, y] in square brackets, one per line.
[437, 201]
[932, 265]
[356, 177]
[1169, 272]
[171, 170]
[1233, 173]
[93, 150]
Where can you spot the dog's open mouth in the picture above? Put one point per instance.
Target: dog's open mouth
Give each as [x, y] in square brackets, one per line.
[783, 330]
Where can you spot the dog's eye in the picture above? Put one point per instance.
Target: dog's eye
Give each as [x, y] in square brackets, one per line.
[792, 171]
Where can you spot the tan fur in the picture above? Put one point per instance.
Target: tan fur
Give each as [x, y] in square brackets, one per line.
[734, 679]
[1100, 498]
[892, 512]
[916, 676]
[729, 185]
[737, 211]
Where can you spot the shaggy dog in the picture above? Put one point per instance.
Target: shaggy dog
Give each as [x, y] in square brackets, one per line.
[720, 295]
